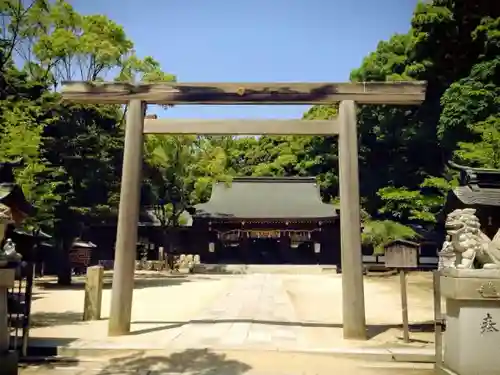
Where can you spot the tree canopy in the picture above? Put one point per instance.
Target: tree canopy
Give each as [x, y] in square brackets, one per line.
[73, 153]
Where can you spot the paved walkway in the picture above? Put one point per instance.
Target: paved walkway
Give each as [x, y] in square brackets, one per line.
[255, 311]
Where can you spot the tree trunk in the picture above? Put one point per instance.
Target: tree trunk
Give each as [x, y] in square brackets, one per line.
[167, 247]
[64, 264]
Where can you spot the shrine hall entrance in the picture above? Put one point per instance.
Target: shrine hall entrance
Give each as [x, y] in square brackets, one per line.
[266, 251]
[306, 253]
[271, 251]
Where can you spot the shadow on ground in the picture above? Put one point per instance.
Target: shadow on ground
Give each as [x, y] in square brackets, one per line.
[190, 361]
[141, 281]
[35, 296]
[16, 301]
[47, 364]
[47, 350]
[50, 319]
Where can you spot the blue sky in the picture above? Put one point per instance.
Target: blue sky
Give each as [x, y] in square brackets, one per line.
[254, 41]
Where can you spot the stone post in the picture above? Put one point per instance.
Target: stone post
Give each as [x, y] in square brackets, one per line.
[93, 293]
[8, 359]
[353, 298]
[128, 216]
[472, 336]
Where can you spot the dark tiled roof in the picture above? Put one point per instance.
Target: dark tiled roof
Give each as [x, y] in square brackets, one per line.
[41, 234]
[266, 198]
[477, 177]
[401, 242]
[478, 196]
[478, 187]
[12, 195]
[84, 244]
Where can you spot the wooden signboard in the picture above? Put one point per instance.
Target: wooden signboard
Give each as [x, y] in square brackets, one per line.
[402, 255]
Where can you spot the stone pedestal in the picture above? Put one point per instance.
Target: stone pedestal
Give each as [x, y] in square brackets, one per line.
[8, 360]
[472, 336]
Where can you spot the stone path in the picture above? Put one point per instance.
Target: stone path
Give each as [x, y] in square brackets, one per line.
[255, 311]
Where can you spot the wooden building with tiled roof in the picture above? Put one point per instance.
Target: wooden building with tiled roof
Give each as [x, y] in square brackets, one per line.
[267, 220]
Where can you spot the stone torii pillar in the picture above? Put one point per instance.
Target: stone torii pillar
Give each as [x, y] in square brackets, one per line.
[128, 215]
[353, 302]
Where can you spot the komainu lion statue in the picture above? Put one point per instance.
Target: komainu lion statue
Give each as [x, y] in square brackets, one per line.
[466, 246]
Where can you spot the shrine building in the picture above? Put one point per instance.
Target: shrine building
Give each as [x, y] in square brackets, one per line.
[266, 220]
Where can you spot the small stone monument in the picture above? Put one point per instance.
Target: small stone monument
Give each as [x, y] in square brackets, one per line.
[470, 282]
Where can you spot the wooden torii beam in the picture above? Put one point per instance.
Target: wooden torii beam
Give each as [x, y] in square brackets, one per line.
[245, 93]
[139, 95]
[240, 127]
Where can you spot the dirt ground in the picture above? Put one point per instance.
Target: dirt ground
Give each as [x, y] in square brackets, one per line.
[285, 311]
[382, 304]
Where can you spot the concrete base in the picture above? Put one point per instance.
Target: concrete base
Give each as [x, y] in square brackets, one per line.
[9, 363]
[7, 278]
[205, 268]
[472, 336]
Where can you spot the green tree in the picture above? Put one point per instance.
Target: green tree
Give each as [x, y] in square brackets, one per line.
[22, 120]
[180, 171]
[453, 45]
[470, 119]
[80, 145]
[379, 233]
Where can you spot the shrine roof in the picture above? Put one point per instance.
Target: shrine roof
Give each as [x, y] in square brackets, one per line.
[12, 196]
[477, 196]
[478, 186]
[266, 198]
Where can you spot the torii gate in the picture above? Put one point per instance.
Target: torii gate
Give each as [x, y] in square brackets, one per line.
[139, 95]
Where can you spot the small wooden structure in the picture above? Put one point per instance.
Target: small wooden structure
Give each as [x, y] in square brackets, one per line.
[402, 255]
[80, 255]
[138, 96]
